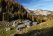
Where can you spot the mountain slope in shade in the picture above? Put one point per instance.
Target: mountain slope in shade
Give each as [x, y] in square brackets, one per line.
[10, 9]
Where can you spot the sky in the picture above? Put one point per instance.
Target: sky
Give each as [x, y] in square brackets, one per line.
[37, 4]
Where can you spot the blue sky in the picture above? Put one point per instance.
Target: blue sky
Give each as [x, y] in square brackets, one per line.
[37, 4]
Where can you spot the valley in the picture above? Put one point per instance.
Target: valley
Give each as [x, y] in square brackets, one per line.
[16, 20]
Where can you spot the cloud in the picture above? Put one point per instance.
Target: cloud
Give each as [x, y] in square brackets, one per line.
[46, 0]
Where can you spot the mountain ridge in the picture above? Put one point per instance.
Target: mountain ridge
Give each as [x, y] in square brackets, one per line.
[42, 12]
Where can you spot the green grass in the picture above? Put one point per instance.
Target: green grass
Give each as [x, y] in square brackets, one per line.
[43, 25]
[6, 33]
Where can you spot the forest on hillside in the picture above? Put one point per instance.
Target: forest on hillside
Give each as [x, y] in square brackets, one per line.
[10, 10]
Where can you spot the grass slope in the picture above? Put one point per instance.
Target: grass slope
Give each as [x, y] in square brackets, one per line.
[43, 25]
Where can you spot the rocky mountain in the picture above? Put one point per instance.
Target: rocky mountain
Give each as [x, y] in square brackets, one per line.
[42, 12]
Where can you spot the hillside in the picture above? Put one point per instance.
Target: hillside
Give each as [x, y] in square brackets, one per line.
[41, 26]
[16, 19]
[11, 10]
